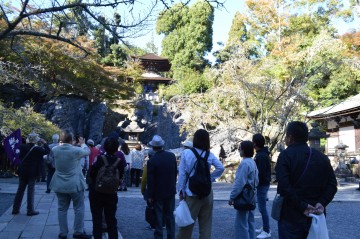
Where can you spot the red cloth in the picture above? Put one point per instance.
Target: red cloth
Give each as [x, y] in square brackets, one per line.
[93, 154]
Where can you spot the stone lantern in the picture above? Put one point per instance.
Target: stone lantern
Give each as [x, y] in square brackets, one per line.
[133, 132]
[315, 134]
[342, 171]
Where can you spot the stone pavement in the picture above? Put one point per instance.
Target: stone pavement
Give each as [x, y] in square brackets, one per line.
[42, 226]
[45, 225]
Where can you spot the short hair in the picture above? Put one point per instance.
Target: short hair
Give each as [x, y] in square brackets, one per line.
[247, 148]
[66, 136]
[125, 148]
[111, 145]
[258, 140]
[138, 147]
[201, 140]
[298, 130]
[55, 138]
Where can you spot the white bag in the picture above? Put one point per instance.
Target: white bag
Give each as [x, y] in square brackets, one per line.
[318, 229]
[182, 215]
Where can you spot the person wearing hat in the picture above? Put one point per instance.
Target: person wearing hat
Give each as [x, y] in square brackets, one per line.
[31, 156]
[187, 144]
[94, 152]
[161, 186]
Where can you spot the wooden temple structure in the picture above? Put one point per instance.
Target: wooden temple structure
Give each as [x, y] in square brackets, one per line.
[155, 68]
[343, 125]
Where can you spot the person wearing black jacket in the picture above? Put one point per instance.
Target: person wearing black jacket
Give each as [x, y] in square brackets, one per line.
[262, 160]
[100, 202]
[161, 185]
[31, 156]
[306, 180]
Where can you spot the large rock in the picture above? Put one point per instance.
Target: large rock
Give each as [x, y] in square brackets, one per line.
[83, 117]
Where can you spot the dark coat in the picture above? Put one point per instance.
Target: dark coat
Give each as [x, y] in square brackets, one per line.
[318, 184]
[262, 160]
[30, 167]
[161, 175]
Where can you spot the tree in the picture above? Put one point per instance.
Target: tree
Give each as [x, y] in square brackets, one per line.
[188, 34]
[276, 64]
[19, 18]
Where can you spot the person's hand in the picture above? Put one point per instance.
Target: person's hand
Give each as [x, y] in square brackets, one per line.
[309, 209]
[231, 202]
[319, 209]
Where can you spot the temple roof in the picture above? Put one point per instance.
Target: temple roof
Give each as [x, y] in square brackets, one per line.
[133, 127]
[152, 56]
[348, 106]
[154, 62]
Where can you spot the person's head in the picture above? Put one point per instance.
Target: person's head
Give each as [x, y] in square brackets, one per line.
[258, 141]
[55, 138]
[296, 132]
[111, 145]
[157, 143]
[33, 138]
[125, 148]
[90, 142]
[246, 149]
[66, 136]
[138, 147]
[187, 144]
[201, 140]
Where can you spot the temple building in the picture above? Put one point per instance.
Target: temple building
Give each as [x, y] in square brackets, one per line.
[155, 68]
[343, 125]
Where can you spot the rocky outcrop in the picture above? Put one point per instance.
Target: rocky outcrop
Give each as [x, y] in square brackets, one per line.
[83, 117]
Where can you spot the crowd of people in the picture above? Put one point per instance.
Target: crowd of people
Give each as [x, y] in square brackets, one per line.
[305, 179]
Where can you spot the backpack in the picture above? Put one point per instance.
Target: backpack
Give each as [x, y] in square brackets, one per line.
[107, 179]
[200, 181]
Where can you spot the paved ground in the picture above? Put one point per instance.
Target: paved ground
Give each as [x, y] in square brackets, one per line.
[342, 219]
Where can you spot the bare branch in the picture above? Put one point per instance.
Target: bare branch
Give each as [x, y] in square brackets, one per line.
[49, 36]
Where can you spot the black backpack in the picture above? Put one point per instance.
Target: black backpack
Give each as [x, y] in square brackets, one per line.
[107, 179]
[200, 181]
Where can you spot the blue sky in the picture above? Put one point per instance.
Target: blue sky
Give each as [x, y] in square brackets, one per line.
[222, 23]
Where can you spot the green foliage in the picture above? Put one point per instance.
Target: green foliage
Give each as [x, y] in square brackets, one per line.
[188, 34]
[189, 82]
[64, 72]
[117, 57]
[27, 120]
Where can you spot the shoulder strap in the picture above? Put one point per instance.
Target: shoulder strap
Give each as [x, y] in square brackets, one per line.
[307, 164]
[105, 160]
[28, 153]
[116, 162]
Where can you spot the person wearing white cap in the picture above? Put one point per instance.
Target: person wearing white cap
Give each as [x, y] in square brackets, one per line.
[161, 186]
[31, 156]
[187, 144]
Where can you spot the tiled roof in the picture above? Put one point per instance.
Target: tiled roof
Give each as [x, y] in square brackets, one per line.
[350, 105]
[151, 56]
